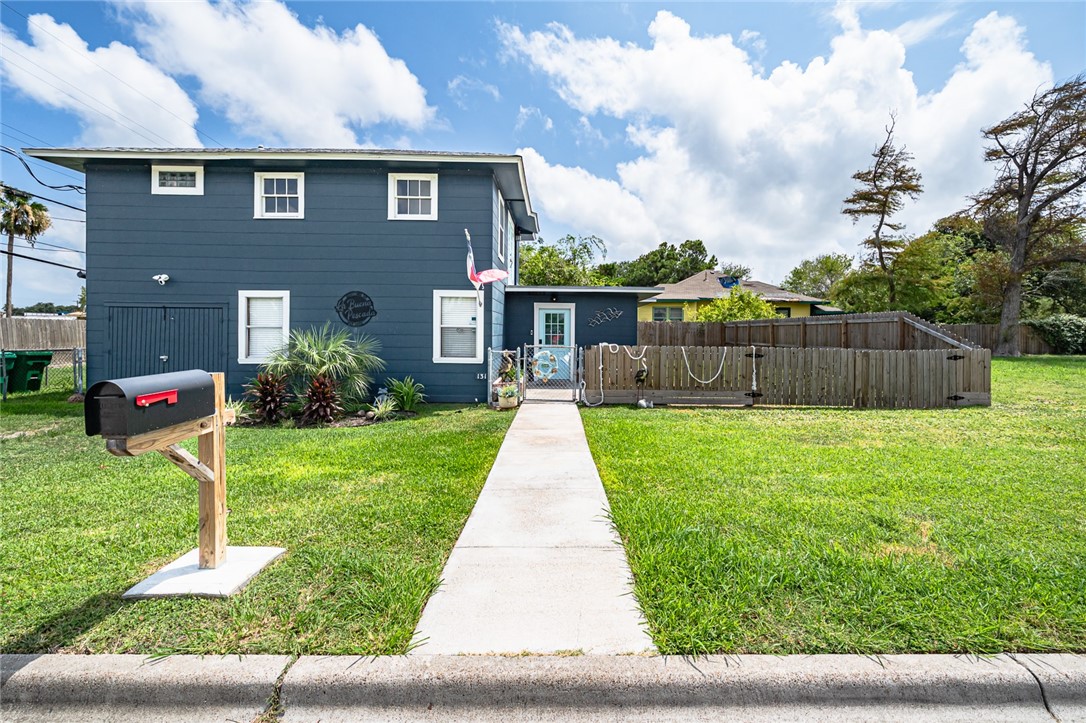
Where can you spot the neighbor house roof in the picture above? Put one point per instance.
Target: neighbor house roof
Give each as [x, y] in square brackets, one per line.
[706, 285]
[641, 291]
[507, 169]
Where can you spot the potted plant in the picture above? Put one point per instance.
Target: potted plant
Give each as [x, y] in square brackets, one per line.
[507, 396]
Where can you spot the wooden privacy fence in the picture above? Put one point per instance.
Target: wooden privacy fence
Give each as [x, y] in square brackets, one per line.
[23, 333]
[748, 375]
[987, 336]
[891, 330]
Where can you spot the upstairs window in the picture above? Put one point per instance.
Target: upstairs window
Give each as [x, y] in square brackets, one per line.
[667, 313]
[503, 221]
[177, 180]
[457, 336]
[263, 324]
[412, 196]
[279, 195]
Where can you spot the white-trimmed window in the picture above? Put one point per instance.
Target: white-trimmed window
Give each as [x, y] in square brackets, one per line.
[667, 313]
[263, 324]
[458, 335]
[503, 221]
[177, 180]
[412, 196]
[279, 195]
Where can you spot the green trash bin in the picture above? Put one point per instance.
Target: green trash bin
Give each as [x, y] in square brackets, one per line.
[9, 368]
[28, 370]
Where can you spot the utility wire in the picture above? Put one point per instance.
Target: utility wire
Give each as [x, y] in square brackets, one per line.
[60, 218]
[41, 164]
[83, 54]
[65, 187]
[36, 243]
[41, 261]
[28, 135]
[37, 195]
[88, 105]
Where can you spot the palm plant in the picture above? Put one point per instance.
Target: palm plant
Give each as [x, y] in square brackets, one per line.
[19, 216]
[268, 395]
[348, 363]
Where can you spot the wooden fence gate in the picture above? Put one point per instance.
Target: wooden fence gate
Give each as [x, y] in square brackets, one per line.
[746, 375]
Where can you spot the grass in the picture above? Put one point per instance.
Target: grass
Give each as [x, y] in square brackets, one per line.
[368, 516]
[775, 530]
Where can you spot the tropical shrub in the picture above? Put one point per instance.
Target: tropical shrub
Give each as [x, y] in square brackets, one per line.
[322, 402]
[268, 397]
[383, 408]
[740, 305]
[1065, 333]
[349, 363]
[407, 392]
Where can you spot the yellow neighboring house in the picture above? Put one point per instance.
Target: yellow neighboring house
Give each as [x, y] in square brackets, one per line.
[680, 302]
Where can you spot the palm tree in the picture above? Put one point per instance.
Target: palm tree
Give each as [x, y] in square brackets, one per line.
[24, 218]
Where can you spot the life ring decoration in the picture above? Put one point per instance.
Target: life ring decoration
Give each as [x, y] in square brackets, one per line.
[545, 364]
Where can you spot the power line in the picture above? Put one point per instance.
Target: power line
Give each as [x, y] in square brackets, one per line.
[35, 244]
[88, 105]
[87, 57]
[60, 218]
[42, 261]
[38, 195]
[28, 135]
[65, 187]
[41, 164]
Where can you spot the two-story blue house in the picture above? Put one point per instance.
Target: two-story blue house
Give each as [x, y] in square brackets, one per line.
[206, 258]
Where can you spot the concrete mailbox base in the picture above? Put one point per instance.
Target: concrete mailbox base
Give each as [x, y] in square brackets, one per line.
[184, 577]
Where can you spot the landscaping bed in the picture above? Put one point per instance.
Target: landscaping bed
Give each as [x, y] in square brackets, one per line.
[368, 516]
[802, 530]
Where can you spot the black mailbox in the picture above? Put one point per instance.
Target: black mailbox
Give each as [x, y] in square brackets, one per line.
[120, 408]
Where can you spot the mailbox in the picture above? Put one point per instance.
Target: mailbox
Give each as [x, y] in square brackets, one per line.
[120, 408]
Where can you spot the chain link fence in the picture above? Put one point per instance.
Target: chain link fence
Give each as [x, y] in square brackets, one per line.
[66, 372]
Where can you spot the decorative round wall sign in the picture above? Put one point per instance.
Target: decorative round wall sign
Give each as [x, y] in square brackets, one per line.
[355, 308]
[545, 364]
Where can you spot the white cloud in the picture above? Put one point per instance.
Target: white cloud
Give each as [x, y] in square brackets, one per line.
[588, 134]
[462, 86]
[277, 80]
[916, 31]
[757, 164]
[527, 113]
[119, 98]
[754, 39]
[33, 282]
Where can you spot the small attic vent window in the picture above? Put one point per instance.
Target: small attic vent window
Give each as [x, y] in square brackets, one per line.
[177, 180]
[728, 282]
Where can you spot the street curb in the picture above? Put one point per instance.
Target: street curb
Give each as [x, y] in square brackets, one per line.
[179, 687]
[841, 687]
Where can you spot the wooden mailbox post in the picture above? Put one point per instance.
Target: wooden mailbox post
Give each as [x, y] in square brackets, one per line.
[208, 468]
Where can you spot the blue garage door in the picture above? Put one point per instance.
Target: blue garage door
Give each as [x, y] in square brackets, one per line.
[156, 339]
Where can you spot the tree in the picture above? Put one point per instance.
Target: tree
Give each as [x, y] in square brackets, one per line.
[567, 262]
[739, 305]
[881, 193]
[23, 218]
[814, 277]
[665, 264]
[81, 302]
[1034, 207]
[737, 270]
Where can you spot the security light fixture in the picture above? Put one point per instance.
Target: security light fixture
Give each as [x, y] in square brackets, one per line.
[161, 279]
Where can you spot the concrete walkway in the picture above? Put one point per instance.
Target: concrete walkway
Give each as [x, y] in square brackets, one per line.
[538, 568]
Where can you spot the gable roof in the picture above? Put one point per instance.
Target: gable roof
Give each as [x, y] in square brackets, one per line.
[705, 286]
[508, 170]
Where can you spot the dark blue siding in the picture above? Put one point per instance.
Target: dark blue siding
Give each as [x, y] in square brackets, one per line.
[211, 247]
[520, 317]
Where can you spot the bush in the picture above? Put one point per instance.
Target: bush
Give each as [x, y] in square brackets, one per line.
[383, 409]
[347, 362]
[321, 402]
[1065, 333]
[268, 397]
[407, 392]
[740, 305]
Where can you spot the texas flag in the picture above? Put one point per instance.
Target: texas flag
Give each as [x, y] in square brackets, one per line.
[478, 278]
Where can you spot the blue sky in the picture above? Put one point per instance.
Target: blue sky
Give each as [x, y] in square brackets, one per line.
[736, 123]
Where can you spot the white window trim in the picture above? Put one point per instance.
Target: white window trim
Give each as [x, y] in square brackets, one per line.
[393, 215]
[258, 194]
[503, 215]
[540, 306]
[158, 190]
[243, 298]
[439, 294]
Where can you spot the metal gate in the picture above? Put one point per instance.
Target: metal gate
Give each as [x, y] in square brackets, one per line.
[157, 339]
[552, 373]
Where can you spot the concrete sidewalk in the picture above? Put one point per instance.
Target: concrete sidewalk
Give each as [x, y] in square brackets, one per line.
[121, 688]
[537, 568]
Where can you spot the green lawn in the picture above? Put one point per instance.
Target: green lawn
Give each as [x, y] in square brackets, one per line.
[368, 516]
[819, 530]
